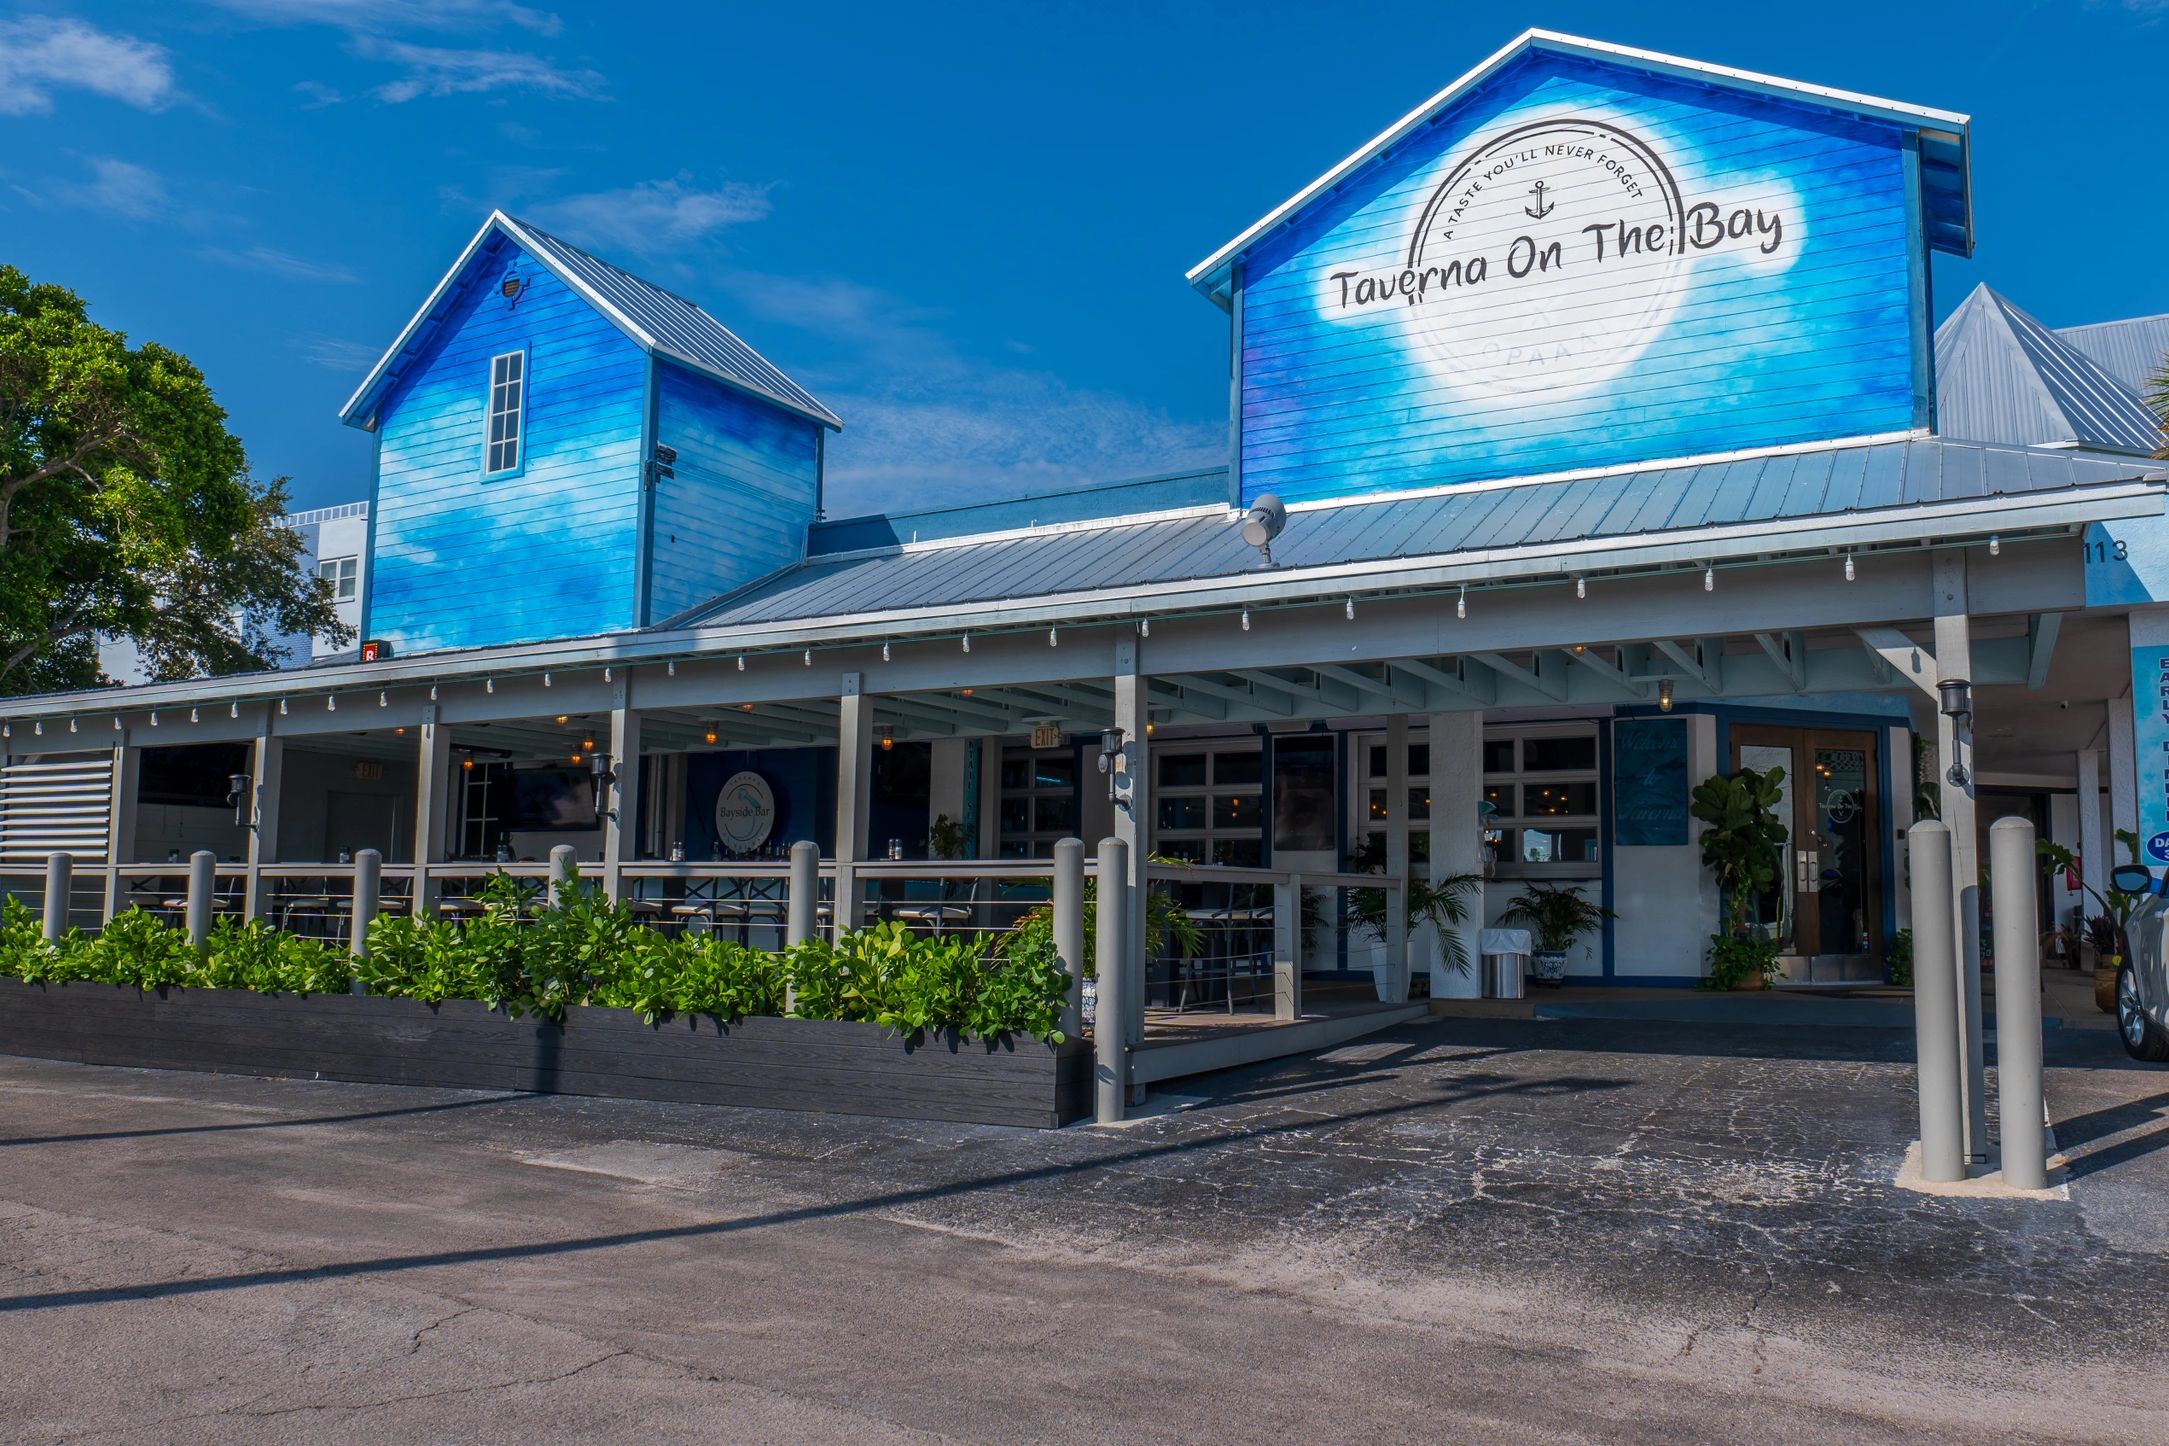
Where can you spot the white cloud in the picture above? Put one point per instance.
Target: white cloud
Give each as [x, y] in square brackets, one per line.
[438, 71]
[116, 188]
[40, 54]
[281, 263]
[337, 354]
[395, 14]
[925, 424]
[654, 216]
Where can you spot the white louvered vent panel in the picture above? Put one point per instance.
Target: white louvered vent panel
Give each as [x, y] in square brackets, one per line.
[58, 803]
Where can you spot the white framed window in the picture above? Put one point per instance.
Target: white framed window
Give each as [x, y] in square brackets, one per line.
[344, 575]
[1208, 803]
[507, 413]
[1039, 801]
[1541, 780]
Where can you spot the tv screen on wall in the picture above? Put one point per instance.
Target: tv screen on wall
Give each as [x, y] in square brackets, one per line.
[544, 799]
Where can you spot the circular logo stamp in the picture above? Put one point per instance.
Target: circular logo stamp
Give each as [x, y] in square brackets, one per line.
[745, 812]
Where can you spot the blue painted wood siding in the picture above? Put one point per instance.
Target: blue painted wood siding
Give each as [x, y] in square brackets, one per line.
[548, 552]
[747, 484]
[1814, 339]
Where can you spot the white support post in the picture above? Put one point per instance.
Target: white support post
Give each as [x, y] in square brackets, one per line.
[120, 827]
[267, 763]
[621, 822]
[368, 887]
[1288, 948]
[1393, 987]
[1457, 842]
[990, 798]
[854, 797]
[1068, 901]
[432, 801]
[1954, 750]
[1133, 826]
[2096, 858]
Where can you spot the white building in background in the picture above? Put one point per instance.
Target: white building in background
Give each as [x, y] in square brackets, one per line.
[334, 546]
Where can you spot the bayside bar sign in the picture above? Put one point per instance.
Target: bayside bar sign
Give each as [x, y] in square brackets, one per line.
[2150, 740]
[1569, 233]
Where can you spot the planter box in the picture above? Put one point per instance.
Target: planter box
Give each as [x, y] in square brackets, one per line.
[785, 1064]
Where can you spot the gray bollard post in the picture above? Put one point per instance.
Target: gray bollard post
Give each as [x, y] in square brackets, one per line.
[561, 872]
[202, 885]
[1068, 891]
[1111, 1055]
[1935, 1004]
[368, 886]
[58, 868]
[804, 904]
[2014, 880]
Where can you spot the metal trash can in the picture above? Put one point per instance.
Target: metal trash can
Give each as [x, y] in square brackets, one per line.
[1504, 962]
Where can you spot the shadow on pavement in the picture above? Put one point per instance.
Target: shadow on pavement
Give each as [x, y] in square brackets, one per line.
[89, 1138]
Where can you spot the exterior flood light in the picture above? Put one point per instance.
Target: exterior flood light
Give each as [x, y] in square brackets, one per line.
[237, 794]
[1110, 750]
[599, 765]
[1263, 522]
[1956, 695]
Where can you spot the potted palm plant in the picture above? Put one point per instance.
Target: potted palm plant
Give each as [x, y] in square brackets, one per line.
[1558, 916]
[1743, 847]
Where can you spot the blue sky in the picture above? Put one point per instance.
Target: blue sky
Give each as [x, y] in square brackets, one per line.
[963, 227]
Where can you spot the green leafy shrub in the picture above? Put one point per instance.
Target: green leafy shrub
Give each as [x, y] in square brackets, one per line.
[1736, 959]
[1898, 959]
[253, 955]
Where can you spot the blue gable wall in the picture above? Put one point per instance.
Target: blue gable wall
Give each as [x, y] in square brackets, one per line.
[1801, 323]
[549, 552]
[746, 487]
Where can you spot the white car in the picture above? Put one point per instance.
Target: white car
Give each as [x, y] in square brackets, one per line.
[2142, 985]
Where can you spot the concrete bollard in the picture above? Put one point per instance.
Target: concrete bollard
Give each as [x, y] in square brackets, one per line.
[59, 869]
[1935, 1004]
[202, 887]
[1068, 902]
[1111, 1055]
[2014, 879]
[561, 873]
[368, 887]
[803, 905]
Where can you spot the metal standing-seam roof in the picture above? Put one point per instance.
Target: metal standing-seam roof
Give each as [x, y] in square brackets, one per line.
[662, 322]
[2134, 351]
[1629, 503]
[2001, 376]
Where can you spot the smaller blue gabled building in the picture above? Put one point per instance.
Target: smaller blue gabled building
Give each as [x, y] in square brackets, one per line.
[564, 449]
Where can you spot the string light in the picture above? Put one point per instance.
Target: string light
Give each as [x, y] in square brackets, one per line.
[546, 681]
[710, 734]
[282, 713]
[154, 712]
[1995, 545]
[670, 669]
[1581, 587]
[489, 685]
[1461, 603]
[888, 737]
[561, 717]
[1144, 627]
[1051, 638]
[967, 642]
[191, 718]
[1351, 609]
[233, 710]
[884, 652]
[1246, 620]
[809, 657]
[331, 704]
[741, 662]
[432, 692]
[1848, 567]
[384, 700]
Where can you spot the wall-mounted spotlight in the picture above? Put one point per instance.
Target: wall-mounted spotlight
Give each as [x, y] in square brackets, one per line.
[1262, 523]
[237, 794]
[1955, 696]
[605, 775]
[1110, 753]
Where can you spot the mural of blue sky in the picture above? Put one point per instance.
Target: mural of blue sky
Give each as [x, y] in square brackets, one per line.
[962, 227]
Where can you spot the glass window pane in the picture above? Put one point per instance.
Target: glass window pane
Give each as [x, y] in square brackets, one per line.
[1538, 799]
[1016, 848]
[1184, 813]
[1055, 813]
[1498, 755]
[1419, 802]
[1182, 770]
[1237, 769]
[1239, 853]
[1190, 851]
[1377, 805]
[1419, 760]
[1016, 773]
[1558, 846]
[1377, 755]
[1238, 811]
[1503, 797]
[1055, 771]
[1545, 755]
[1016, 815]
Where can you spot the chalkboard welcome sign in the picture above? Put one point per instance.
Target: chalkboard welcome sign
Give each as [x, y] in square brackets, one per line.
[1649, 782]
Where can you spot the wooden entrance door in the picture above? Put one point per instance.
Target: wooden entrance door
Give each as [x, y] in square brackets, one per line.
[1828, 911]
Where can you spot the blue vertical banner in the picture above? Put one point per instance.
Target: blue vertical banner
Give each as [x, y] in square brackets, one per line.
[1649, 782]
[2150, 748]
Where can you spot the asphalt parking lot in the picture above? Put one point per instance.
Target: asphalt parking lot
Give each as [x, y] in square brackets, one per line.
[1574, 1229]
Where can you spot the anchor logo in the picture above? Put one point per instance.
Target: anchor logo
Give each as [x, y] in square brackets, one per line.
[1541, 209]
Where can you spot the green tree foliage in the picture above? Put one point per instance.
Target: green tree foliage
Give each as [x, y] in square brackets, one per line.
[1744, 850]
[126, 508]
